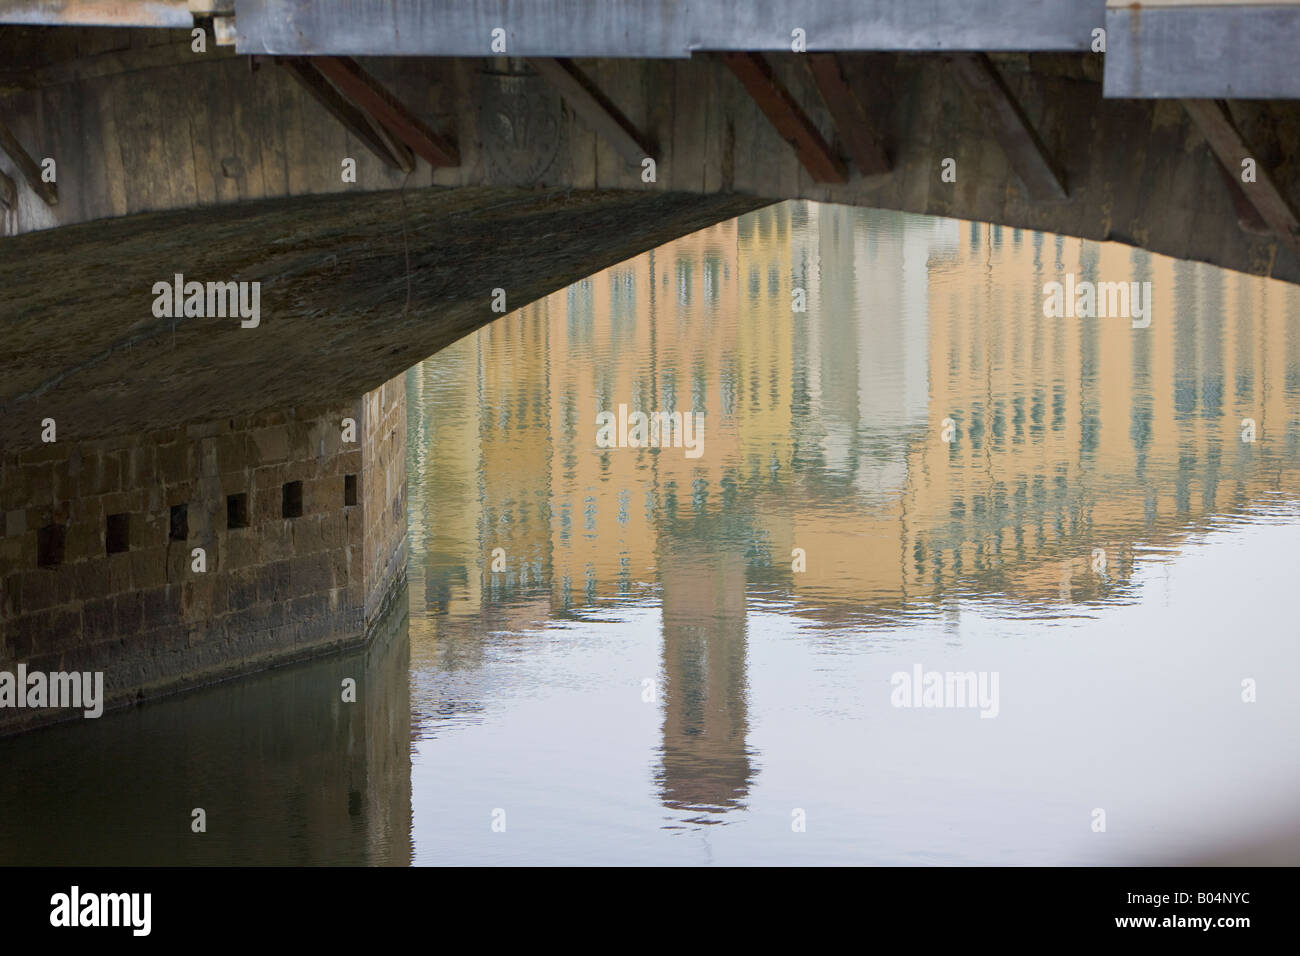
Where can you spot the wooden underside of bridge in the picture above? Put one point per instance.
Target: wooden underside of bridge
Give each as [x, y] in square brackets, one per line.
[136, 121]
[127, 156]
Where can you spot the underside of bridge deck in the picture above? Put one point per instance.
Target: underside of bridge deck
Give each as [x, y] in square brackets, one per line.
[100, 123]
[353, 290]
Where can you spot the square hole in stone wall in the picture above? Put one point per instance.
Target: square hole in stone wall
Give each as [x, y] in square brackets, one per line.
[237, 511]
[180, 523]
[49, 545]
[349, 490]
[291, 500]
[117, 534]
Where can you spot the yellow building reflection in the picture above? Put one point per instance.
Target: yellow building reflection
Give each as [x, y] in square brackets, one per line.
[883, 396]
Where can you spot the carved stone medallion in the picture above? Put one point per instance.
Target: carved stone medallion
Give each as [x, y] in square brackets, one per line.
[521, 126]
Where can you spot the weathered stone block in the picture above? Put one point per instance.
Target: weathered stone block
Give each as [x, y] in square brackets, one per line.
[97, 620]
[39, 589]
[242, 551]
[241, 589]
[175, 464]
[160, 605]
[149, 567]
[278, 540]
[45, 451]
[141, 465]
[119, 573]
[307, 535]
[308, 607]
[334, 529]
[18, 551]
[209, 464]
[38, 482]
[232, 452]
[310, 574]
[270, 445]
[100, 474]
[90, 579]
[128, 614]
[197, 598]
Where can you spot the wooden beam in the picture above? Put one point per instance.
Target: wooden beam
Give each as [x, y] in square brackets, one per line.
[393, 153]
[364, 91]
[850, 116]
[8, 192]
[594, 107]
[1010, 126]
[789, 119]
[27, 166]
[109, 64]
[1248, 217]
[1215, 122]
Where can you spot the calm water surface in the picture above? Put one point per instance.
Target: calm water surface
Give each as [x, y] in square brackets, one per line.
[650, 680]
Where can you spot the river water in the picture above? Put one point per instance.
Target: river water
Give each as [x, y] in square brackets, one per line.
[640, 655]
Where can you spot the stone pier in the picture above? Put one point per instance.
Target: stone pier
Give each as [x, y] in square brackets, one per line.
[181, 556]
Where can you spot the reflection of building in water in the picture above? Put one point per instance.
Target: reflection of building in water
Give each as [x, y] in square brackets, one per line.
[646, 333]
[1082, 434]
[859, 367]
[515, 443]
[823, 428]
[481, 447]
[446, 463]
[705, 764]
[823, 432]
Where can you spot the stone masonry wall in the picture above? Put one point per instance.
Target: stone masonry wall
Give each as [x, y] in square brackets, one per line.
[96, 547]
[383, 493]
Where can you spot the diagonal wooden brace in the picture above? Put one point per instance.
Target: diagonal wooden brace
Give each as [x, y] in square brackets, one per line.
[1024, 150]
[1263, 195]
[392, 152]
[850, 116]
[787, 116]
[594, 107]
[30, 169]
[369, 96]
[8, 192]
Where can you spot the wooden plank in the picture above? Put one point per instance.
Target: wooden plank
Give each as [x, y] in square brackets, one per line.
[391, 152]
[94, 177]
[787, 117]
[135, 113]
[363, 90]
[1007, 121]
[178, 145]
[300, 162]
[247, 159]
[205, 179]
[109, 157]
[111, 64]
[28, 167]
[690, 127]
[269, 95]
[220, 135]
[1227, 143]
[850, 116]
[62, 132]
[594, 107]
